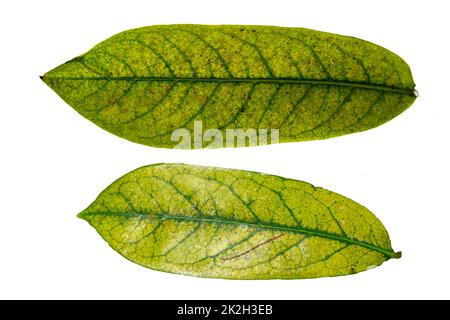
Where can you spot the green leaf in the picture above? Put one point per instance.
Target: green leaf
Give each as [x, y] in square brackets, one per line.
[233, 224]
[145, 83]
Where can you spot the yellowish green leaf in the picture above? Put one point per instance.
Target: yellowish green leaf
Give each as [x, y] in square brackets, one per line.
[145, 83]
[224, 223]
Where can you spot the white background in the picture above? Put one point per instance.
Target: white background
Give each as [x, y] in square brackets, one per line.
[54, 162]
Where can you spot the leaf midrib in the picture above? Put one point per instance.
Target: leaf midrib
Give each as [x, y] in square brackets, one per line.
[352, 84]
[389, 254]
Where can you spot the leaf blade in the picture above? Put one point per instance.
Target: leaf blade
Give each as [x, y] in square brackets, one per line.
[234, 57]
[233, 224]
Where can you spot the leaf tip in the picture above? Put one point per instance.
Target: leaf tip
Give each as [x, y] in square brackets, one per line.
[397, 255]
[44, 79]
[82, 215]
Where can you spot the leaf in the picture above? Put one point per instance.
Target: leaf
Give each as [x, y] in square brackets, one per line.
[145, 83]
[233, 224]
